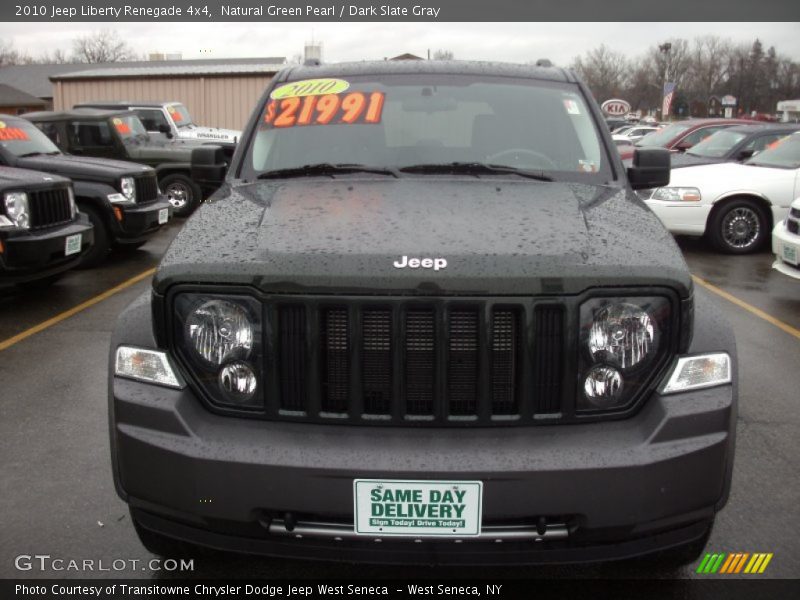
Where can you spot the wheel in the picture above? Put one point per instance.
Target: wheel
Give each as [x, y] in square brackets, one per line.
[40, 284]
[164, 546]
[183, 193]
[99, 250]
[739, 227]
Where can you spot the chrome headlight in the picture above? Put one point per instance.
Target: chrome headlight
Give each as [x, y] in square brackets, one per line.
[622, 335]
[622, 341]
[677, 194]
[17, 209]
[219, 330]
[128, 188]
[219, 339]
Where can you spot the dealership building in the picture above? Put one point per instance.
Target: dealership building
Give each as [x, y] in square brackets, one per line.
[217, 92]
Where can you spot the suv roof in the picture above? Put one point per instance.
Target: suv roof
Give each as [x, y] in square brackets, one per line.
[124, 103]
[76, 113]
[787, 127]
[455, 67]
[713, 121]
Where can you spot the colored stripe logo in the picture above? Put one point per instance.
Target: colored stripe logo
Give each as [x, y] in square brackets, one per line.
[734, 562]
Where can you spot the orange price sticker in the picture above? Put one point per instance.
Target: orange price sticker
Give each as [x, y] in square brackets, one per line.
[122, 126]
[335, 109]
[13, 134]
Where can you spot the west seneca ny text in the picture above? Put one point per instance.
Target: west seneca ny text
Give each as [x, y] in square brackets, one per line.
[265, 590]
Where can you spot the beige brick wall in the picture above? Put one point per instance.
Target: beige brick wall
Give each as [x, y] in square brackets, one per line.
[212, 101]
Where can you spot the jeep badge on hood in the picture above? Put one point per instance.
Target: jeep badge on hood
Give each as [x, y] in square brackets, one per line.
[425, 263]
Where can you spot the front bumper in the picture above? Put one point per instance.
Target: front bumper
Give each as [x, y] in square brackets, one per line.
[785, 246]
[683, 218]
[30, 255]
[139, 222]
[620, 488]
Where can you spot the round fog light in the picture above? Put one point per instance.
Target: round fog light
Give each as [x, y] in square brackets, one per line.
[238, 382]
[603, 387]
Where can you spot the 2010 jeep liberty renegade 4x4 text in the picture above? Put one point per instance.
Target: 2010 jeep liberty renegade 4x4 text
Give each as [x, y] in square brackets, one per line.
[426, 306]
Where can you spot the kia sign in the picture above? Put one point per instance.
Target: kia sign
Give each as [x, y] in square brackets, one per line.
[616, 107]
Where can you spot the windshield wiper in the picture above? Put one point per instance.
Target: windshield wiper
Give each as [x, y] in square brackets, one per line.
[326, 169]
[475, 168]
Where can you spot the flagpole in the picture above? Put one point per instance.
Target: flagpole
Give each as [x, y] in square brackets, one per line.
[665, 49]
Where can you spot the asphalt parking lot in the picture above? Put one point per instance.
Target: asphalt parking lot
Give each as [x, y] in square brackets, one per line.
[58, 496]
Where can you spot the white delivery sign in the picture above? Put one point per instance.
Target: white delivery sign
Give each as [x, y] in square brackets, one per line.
[417, 508]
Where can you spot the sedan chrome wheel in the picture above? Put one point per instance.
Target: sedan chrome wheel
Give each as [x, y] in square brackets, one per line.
[741, 228]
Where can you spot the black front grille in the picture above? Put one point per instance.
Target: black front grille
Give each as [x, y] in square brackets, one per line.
[792, 226]
[146, 189]
[402, 362]
[49, 208]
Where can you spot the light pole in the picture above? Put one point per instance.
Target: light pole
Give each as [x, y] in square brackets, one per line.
[665, 49]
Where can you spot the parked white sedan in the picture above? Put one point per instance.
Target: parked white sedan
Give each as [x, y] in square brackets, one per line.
[786, 243]
[734, 204]
[634, 133]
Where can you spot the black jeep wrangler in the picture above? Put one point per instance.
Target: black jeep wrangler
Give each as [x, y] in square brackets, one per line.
[121, 135]
[121, 199]
[426, 307]
[42, 234]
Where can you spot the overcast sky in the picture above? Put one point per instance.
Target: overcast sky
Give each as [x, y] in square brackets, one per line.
[515, 42]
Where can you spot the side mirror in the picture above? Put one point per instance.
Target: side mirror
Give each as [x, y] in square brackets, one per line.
[682, 146]
[164, 128]
[745, 154]
[650, 168]
[208, 164]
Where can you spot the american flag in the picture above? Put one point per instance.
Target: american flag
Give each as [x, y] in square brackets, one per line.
[669, 91]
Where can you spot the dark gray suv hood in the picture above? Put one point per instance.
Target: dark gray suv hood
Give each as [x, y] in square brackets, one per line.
[83, 168]
[499, 236]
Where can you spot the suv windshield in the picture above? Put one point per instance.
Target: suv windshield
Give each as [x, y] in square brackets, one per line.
[407, 122]
[180, 116]
[717, 144]
[129, 128]
[784, 155]
[24, 139]
[663, 136]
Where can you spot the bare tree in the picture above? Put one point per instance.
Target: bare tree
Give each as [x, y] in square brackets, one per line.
[8, 55]
[604, 71]
[709, 66]
[443, 55]
[58, 57]
[102, 46]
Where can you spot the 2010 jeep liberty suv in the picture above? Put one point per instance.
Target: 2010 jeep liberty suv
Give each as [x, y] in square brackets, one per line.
[425, 307]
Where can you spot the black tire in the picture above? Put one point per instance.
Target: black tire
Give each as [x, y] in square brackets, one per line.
[183, 193]
[738, 226]
[99, 250]
[164, 546]
[40, 284]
